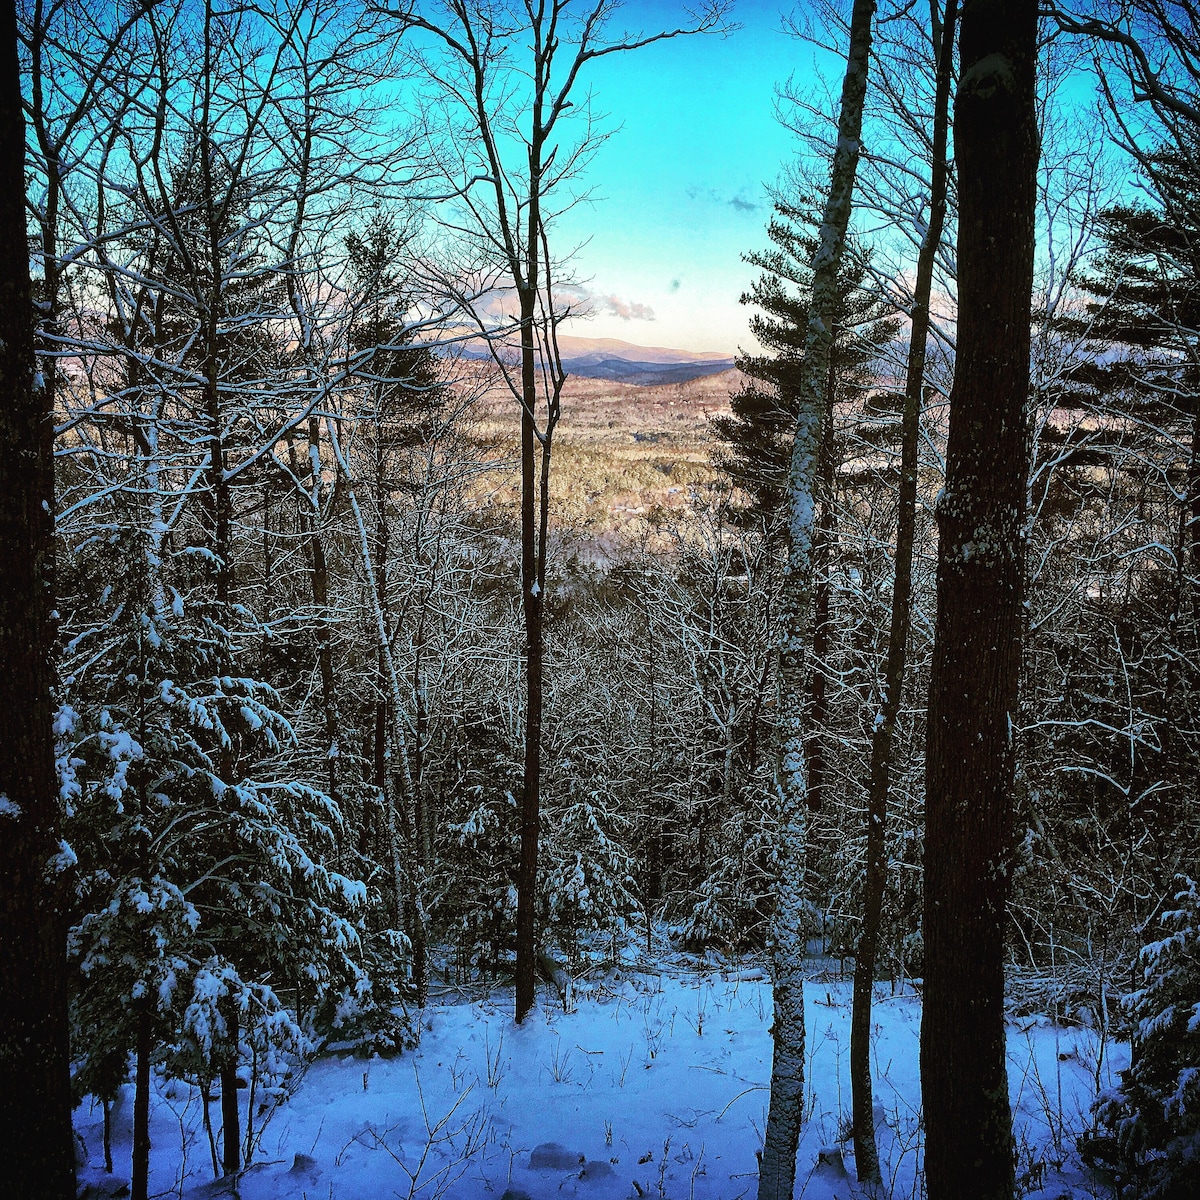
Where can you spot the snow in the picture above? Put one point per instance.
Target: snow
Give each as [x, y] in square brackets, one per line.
[990, 73]
[65, 720]
[65, 859]
[654, 1085]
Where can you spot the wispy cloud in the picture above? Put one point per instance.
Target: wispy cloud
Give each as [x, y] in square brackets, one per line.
[627, 310]
[741, 202]
[583, 302]
[576, 298]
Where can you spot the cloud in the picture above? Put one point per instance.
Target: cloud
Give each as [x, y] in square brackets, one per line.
[627, 310]
[583, 302]
[740, 202]
[574, 296]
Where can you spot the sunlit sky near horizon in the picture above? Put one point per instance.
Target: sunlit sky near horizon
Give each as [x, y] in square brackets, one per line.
[680, 188]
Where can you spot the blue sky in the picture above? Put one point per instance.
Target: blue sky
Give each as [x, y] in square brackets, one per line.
[680, 188]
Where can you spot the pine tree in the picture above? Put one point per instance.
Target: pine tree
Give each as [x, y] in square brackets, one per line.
[588, 885]
[401, 394]
[757, 437]
[206, 859]
[1142, 324]
[1155, 1112]
[203, 868]
[760, 431]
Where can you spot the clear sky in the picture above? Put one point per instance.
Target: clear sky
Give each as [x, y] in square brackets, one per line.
[680, 187]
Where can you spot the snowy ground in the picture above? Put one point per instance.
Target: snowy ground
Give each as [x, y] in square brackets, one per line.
[655, 1085]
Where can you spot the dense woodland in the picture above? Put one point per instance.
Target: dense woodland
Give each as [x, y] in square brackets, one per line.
[331, 721]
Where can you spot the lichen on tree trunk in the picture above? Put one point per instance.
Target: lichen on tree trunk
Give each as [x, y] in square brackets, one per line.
[777, 1169]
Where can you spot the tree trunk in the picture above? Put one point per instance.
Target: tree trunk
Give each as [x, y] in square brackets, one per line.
[36, 1142]
[423, 817]
[866, 1156]
[823, 541]
[978, 632]
[400, 819]
[231, 1125]
[320, 595]
[531, 605]
[777, 1169]
[1193, 486]
[139, 1184]
[375, 558]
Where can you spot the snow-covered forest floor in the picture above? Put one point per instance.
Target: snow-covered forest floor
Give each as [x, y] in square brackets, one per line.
[655, 1084]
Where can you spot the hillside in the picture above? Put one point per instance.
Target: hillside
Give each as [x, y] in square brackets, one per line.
[624, 362]
[624, 454]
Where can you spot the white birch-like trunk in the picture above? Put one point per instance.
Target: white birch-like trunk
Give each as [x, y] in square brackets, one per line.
[405, 885]
[777, 1169]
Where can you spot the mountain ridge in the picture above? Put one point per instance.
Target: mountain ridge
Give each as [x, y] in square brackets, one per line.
[626, 362]
[572, 346]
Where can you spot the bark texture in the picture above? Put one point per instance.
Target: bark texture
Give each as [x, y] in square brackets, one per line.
[777, 1168]
[533, 570]
[140, 1182]
[977, 649]
[231, 1124]
[36, 1145]
[866, 1155]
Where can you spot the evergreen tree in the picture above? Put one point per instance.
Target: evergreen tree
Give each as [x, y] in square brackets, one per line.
[1142, 323]
[757, 436]
[588, 886]
[206, 858]
[759, 433]
[1155, 1112]
[204, 882]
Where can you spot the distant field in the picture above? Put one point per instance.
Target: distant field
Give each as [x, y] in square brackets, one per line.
[622, 454]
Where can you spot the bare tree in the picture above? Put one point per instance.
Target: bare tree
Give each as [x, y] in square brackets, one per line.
[508, 75]
[1154, 50]
[866, 1156]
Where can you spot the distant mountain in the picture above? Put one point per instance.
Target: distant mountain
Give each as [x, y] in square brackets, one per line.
[625, 362]
[600, 349]
[643, 374]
